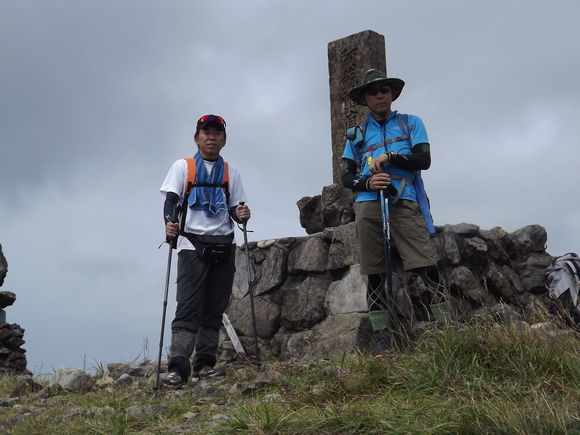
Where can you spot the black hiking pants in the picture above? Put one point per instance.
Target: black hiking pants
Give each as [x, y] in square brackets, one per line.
[203, 294]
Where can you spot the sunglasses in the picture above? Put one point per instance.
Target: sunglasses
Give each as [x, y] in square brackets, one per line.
[212, 118]
[374, 91]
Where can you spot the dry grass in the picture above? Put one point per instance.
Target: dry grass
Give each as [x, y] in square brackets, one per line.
[476, 379]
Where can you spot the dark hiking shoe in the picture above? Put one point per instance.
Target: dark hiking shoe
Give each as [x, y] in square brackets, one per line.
[382, 355]
[210, 372]
[170, 380]
[382, 345]
[382, 340]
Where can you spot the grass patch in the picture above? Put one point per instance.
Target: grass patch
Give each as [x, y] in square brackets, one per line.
[475, 379]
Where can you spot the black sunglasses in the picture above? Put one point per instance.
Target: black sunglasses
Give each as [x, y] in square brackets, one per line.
[374, 91]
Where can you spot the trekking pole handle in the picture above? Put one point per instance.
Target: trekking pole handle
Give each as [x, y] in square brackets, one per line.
[245, 220]
[172, 241]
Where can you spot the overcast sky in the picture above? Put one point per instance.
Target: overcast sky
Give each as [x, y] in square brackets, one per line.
[99, 98]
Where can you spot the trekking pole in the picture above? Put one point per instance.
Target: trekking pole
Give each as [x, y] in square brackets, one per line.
[245, 231]
[387, 239]
[172, 245]
[389, 296]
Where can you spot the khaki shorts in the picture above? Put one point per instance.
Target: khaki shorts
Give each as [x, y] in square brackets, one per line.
[407, 230]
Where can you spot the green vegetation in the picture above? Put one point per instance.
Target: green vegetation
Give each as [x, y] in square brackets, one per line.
[481, 379]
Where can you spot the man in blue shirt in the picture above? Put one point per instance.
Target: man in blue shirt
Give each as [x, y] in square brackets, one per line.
[387, 159]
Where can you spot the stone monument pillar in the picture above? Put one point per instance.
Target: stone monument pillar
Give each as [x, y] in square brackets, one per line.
[348, 59]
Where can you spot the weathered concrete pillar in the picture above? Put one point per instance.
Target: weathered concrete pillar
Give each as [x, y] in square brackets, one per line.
[348, 59]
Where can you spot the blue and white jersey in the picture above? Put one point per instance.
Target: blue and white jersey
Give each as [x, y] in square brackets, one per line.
[380, 139]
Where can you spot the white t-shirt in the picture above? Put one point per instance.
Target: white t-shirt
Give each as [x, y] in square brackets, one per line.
[197, 221]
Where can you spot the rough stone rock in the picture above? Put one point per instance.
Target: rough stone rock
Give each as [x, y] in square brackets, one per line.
[343, 250]
[530, 239]
[450, 246]
[331, 209]
[267, 317]
[25, 386]
[272, 271]
[71, 379]
[311, 218]
[7, 299]
[12, 355]
[303, 306]
[336, 202]
[474, 254]
[3, 267]
[347, 295]
[344, 333]
[311, 256]
[496, 251]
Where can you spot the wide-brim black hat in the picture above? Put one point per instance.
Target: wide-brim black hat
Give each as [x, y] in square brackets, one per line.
[373, 77]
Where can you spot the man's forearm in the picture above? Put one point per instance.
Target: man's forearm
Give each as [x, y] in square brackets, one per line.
[419, 160]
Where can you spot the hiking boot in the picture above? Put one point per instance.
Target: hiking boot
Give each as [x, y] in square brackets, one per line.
[382, 345]
[210, 372]
[382, 355]
[170, 380]
[382, 340]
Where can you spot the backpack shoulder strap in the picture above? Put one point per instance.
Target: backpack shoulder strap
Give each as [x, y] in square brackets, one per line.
[226, 180]
[356, 135]
[403, 119]
[188, 185]
[191, 173]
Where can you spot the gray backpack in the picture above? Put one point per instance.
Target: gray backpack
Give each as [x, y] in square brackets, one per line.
[563, 277]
